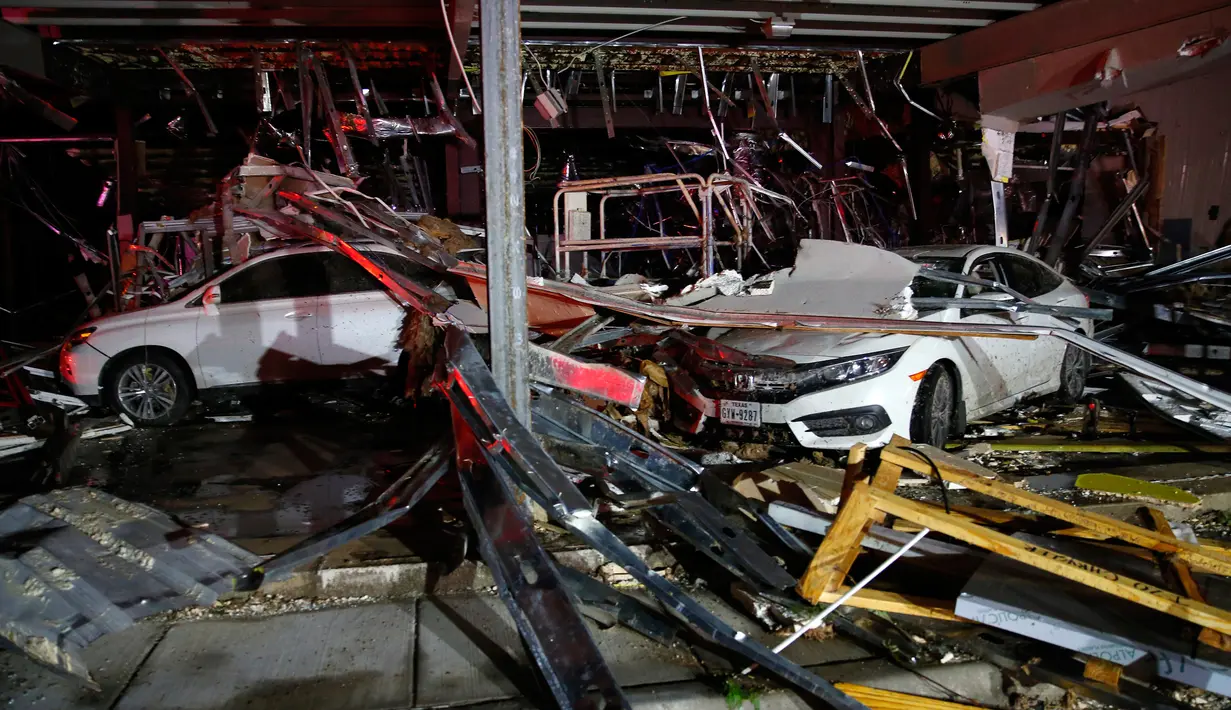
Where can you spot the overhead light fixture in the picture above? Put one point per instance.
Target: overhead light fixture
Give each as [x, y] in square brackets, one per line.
[778, 27]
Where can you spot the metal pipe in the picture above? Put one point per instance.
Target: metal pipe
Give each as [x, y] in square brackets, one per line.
[500, 32]
[1053, 164]
[816, 620]
[1077, 189]
[1117, 215]
[60, 139]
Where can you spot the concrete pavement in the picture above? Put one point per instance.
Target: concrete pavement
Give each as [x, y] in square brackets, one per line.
[455, 651]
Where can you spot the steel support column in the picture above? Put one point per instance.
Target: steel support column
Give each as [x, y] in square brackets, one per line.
[126, 195]
[500, 31]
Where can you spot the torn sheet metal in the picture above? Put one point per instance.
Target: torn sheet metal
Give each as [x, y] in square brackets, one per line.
[81, 563]
[442, 105]
[538, 600]
[831, 278]
[928, 303]
[566, 419]
[614, 606]
[392, 127]
[1018, 598]
[628, 464]
[426, 252]
[1184, 410]
[806, 322]
[594, 379]
[511, 449]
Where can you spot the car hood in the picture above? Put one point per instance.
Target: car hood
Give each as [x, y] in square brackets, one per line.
[805, 348]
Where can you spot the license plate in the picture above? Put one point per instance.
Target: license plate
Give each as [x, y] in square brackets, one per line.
[739, 413]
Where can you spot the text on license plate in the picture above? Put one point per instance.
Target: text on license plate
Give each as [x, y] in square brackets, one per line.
[739, 413]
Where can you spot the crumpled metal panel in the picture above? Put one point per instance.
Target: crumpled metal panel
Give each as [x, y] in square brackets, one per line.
[79, 563]
[512, 451]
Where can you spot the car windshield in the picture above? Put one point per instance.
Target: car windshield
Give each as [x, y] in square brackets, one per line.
[923, 287]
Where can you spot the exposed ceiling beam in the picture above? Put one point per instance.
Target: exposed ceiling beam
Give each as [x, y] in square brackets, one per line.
[1066, 79]
[1066, 24]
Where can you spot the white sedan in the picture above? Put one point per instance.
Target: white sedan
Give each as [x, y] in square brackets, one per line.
[295, 313]
[849, 388]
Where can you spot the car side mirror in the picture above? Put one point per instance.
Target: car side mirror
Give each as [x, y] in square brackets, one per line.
[211, 298]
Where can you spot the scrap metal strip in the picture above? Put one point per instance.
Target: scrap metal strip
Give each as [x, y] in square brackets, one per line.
[530, 586]
[360, 98]
[625, 609]
[409, 294]
[192, 91]
[337, 137]
[509, 447]
[595, 379]
[349, 225]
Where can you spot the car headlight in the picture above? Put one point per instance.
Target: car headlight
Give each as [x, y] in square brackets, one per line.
[795, 381]
[79, 336]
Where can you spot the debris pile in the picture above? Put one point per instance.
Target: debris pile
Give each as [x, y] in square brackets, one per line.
[622, 387]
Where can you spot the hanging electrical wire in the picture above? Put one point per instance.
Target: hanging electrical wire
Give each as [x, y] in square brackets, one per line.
[474, 103]
[533, 170]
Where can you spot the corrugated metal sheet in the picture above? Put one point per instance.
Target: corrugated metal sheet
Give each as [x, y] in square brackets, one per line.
[78, 563]
[1195, 117]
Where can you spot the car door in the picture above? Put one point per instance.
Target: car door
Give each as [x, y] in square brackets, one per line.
[358, 321]
[264, 328]
[994, 363]
[1040, 284]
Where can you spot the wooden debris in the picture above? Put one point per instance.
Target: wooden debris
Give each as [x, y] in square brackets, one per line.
[1193, 554]
[877, 699]
[867, 500]
[1181, 576]
[1103, 671]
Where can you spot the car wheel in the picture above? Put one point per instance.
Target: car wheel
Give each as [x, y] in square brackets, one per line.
[1073, 372]
[150, 387]
[931, 421]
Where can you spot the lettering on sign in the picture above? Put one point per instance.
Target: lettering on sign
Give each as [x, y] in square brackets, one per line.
[1104, 573]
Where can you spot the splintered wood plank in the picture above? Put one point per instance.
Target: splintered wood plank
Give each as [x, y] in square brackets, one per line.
[827, 572]
[876, 600]
[877, 699]
[854, 470]
[956, 470]
[830, 563]
[1184, 577]
[1103, 671]
[1050, 561]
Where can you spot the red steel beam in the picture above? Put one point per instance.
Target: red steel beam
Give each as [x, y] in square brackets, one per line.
[1066, 24]
[1063, 80]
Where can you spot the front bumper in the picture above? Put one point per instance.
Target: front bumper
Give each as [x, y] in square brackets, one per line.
[811, 418]
[80, 368]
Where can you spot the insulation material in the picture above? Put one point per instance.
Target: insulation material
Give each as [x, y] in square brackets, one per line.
[836, 279]
[449, 234]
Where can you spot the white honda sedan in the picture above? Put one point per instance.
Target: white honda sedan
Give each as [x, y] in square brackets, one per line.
[849, 388]
[295, 313]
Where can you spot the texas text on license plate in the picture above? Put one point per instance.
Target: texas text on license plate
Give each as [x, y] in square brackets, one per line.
[739, 413]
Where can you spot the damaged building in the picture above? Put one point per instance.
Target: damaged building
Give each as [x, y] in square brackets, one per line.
[855, 354]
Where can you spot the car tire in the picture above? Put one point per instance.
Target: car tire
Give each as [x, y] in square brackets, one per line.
[1073, 372]
[932, 419]
[150, 388]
